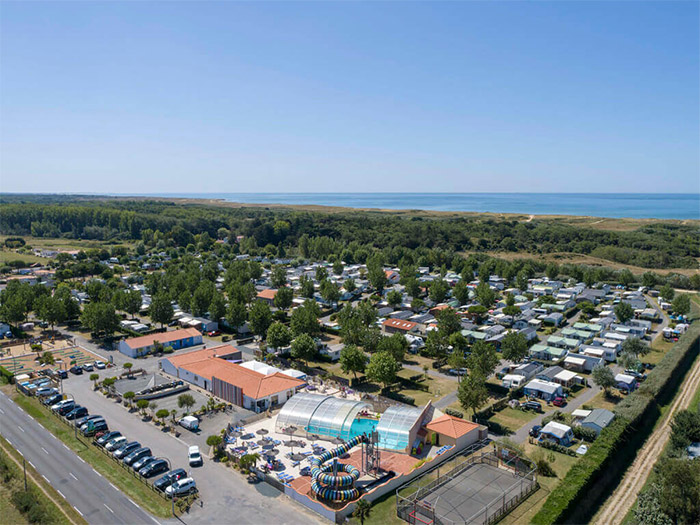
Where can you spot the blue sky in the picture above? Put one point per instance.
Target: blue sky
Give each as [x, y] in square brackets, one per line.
[355, 96]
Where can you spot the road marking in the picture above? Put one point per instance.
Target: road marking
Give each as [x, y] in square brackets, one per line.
[113, 486]
[134, 503]
[2, 411]
[65, 446]
[97, 473]
[81, 459]
[61, 493]
[158, 522]
[73, 476]
[10, 442]
[20, 428]
[47, 479]
[30, 417]
[47, 452]
[78, 510]
[108, 508]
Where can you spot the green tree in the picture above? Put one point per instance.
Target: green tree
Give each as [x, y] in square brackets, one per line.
[284, 297]
[321, 274]
[485, 295]
[635, 346]
[625, 277]
[304, 348]
[514, 347]
[685, 428]
[94, 378]
[248, 461]
[472, 393]
[396, 345]
[259, 318]
[680, 489]
[185, 401]
[461, 292]
[435, 344]
[667, 293]
[457, 360]
[624, 312]
[438, 290]
[483, 359]
[128, 367]
[142, 405]
[100, 318]
[236, 314]
[552, 271]
[217, 308]
[160, 310]
[352, 359]
[129, 396]
[304, 319]
[51, 310]
[448, 322]
[307, 287]
[278, 336]
[521, 281]
[681, 304]
[628, 361]
[604, 378]
[648, 509]
[394, 298]
[132, 302]
[162, 414]
[278, 278]
[376, 275]
[363, 509]
[349, 285]
[215, 440]
[649, 279]
[382, 368]
[329, 291]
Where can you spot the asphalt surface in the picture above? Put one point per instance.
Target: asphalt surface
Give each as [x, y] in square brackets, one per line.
[96, 499]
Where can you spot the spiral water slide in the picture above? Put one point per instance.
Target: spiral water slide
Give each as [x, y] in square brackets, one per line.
[325, 479]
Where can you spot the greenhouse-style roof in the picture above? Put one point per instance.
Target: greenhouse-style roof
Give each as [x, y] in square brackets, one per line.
[318, 414]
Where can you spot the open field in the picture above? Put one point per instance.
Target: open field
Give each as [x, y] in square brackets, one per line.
[511, 418]
[60, 243]
[7, 256]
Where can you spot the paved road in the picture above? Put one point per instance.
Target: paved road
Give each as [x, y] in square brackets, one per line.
[221, 489]
[97, 500]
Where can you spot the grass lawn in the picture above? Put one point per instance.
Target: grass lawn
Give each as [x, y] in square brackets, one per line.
[7, 256]
[512, 418]
[601, 401]
[8, 511]
[438, 387]
[65, 244]
[131, 486]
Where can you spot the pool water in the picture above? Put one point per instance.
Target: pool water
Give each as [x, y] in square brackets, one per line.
[362, 426]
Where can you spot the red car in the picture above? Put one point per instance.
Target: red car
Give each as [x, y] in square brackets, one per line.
[214, 333]
[559, 402]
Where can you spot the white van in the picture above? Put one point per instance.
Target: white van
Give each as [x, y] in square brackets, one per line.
[190, 423]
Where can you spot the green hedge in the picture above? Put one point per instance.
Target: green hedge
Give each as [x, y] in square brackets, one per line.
[455, 413]
[398, 396]
[578, 495]
[4, 372]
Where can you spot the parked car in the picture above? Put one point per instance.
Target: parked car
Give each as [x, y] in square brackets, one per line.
[100, 365]
[104, 438]
[88, 367]
[135, 455]
[85, 419]
[170, 478]
[194, 457]
[62, 403]
[126, 449]
[532, 405]
[63, 374]
[93, 428]
[52, 400]
[181, 487]
[559, 402]
[144, 461]
[46, 391]
[76, 413]
[637, 375]
[214, 333]
[535, 431]
[115, 443]
[154, 468]
[458, 371]
[77, 370]
[64, 409]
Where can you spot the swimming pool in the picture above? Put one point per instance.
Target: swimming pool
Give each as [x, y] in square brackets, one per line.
[362, 426]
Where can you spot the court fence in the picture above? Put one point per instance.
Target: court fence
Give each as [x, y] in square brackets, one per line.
[414, 508]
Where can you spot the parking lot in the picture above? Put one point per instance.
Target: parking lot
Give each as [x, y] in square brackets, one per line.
[220, 488]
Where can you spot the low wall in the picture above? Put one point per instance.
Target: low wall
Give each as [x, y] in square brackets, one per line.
[163, 393]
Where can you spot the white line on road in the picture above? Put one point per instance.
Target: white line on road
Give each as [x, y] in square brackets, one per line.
[47, 452]
[47, 479]
[81, 459]
[65, 446]
[73, 476]
[108, 508]
[20, 428]
[97, 473]
[32, 464]
[30, 417]
[134, 503]
[2, 411]
[61, 493]
[158, 522]
[113, 486]
[10, 442]
[78, 510]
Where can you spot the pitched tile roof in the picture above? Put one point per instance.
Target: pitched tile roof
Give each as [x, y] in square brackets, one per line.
[163, 337]
[267, 294]
[202, 355]
[399, 324]
[451, 426]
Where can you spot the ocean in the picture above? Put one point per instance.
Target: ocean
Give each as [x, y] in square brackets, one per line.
[632, 205]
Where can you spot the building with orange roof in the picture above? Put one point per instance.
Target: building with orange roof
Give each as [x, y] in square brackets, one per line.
[267, 295]
[392, 326]
[138, 346]
[451, 430]
[176, 365]
[392, 276]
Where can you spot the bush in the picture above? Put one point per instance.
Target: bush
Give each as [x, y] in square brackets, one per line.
[587, 434]
[455, 413]
[557, 448]
[398, 396]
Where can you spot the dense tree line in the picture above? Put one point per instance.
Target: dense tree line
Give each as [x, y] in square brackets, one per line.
[350, 236]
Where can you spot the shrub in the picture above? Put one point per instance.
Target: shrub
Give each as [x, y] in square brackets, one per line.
[398, 396]
[587, 434]
[455, 413]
